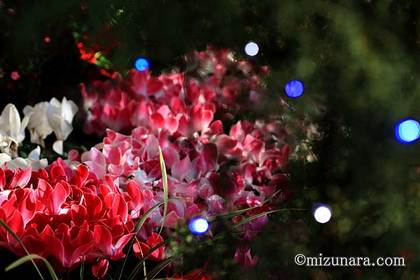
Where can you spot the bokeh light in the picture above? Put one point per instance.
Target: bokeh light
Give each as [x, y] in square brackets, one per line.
[141, 64]
[251, 49]
[15, 75]
[407, 131]
[322, 214]
[294, 89]
[198, 226]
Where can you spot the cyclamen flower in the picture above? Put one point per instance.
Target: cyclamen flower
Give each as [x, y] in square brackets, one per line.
[33, 160]
[100, 269]
[12, 130]
[68, 215]
[243, 256]
[173, 101]
[38, 125]
[69, 212]
[48, 117]
[207, 174]
[141, 249]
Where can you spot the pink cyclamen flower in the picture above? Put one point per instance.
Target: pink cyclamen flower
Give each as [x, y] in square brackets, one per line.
[243, 256]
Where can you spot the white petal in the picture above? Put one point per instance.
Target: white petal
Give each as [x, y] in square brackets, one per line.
[69, 109]
[58, 147]
[43, 162]
[38, 125]
[35, 154]
[4, 158]
[11, 121]
[23, 125]
[35, 137]
[18, 163]
[4, 195]
[38, 164]
[28, 110]
[55, 102]
[61, 127]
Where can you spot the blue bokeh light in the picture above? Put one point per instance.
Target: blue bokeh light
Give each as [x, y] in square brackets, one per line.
[407, 131]
[251, 49]
[141, 64]
[294, 88]
[198, 226]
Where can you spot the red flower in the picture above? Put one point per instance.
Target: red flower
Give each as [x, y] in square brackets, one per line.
[142, 249]
[100, 269]
[67, 215]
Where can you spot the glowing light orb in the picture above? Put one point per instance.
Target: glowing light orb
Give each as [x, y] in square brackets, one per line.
[322, 214]
[407, 131]
[141, 64]
[251, 49]
[294, 89]
[198, 226]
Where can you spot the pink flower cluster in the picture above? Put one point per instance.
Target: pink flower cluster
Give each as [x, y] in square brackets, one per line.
[177, 101]
[69, 216]
[183, 113]
[208, 173]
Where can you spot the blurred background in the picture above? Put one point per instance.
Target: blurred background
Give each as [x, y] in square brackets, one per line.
[359, 61]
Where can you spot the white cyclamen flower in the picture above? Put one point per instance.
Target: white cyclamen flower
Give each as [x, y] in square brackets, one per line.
[12, 129]
[33, 160]
[38, 125]
[60, 116]
[48, 117]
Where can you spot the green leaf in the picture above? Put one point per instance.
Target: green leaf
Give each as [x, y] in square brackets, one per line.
[248, 219]
[32, 257]
[3, 224]
[139, 225]
[150, 211]
[165, 188]
[240, 211]
[146, 215]
[152, 274]
[142, 261]
[82, 269]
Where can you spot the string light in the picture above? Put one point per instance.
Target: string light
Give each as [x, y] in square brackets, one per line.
[141, 64]
[251, 49]
[198, 226]
[294, 89]
[322, 214]
[407, 131]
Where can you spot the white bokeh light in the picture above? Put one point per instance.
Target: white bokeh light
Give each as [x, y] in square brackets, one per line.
[251, 49]
[322, 214]
[198, 226]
